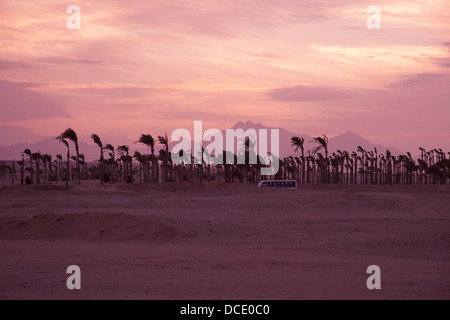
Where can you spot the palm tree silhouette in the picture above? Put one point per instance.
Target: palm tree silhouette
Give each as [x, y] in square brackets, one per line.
[147, 139]
[36, 156]
[58, 167]
[433, 167]
[363, 164]
[298, 143]
[47, 159]
[322, 145]
[13, 172]
[28, 153]
[111, 161]
[62, 140]
[142, 159]
[71, 135]
[22, 170]
[164, 154]
[98, 142]
[83, 165]
[124, 154]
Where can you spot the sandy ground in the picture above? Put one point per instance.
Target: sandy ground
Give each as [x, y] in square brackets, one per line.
[181, 241]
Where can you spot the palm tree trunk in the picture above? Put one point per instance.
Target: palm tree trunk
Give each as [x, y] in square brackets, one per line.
[22, 171]
[37, 172]
[78, 164]
[13, 173]
[31, 170]
[68, 171]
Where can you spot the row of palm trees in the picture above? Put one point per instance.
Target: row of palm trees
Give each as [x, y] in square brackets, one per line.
[364, 166]
[314, 166]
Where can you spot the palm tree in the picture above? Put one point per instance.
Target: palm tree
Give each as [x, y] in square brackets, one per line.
[298, 143]
[83, 165]
[369, 157]
[147, 139]
[363, 153]
[343, 156]
[112, 160]
[124, 153]
[142, 161]
[28, 153]
[322, 145]
[164, 154]
[71, 135]
[3, 168]
[68, 161]
[249, 152]
[50, 172]
[47, 159]
[22, 170]
[389, 160]
[36, 157]
[98, 142]
[376, 165]
[355, 167]
[58, 167]
[13, 172]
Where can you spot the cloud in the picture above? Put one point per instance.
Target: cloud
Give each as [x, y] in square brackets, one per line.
[66, 60]
[268, 55]
[10, 65]
[17, 102]
[126, 92]
[227, 18]
[306, 93]
[417, 81]
[13, 134]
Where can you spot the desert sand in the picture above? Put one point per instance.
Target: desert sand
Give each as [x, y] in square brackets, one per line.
[217, 241]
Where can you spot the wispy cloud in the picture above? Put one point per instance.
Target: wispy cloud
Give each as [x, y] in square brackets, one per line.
[67, 60]
[20, 103]
[307, 93]
[10, 65]
[421, 80]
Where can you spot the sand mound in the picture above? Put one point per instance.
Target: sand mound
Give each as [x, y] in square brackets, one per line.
[90, 226]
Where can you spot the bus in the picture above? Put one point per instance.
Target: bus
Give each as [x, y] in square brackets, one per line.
[287, 184]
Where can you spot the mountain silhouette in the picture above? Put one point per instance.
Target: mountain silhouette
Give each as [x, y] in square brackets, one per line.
[348, 141]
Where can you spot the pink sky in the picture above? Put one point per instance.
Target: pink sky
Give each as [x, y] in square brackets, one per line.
[153, 66]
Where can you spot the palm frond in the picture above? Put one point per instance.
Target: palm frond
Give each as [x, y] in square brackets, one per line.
[297, 142]
[69, 134]
[123, 150]
[97, 140]
[164, 140]
[147, 140]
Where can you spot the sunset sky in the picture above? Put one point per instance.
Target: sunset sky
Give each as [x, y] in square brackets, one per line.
[151, 66]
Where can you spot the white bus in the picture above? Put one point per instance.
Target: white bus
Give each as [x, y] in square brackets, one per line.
[288, 184]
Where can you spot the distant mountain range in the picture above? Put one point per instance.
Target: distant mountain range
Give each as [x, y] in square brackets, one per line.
[348, 141]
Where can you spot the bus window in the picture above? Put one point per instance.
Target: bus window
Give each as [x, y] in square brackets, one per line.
[289, 184]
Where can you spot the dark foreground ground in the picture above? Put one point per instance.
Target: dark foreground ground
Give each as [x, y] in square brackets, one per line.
[224, 242]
